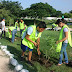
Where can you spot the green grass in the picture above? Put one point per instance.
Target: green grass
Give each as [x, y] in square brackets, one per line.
[15, 49]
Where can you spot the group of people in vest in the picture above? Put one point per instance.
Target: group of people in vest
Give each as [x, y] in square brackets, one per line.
[30, 37]
[12, 30]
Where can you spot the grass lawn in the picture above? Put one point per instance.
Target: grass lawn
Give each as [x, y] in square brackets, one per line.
[15, 49]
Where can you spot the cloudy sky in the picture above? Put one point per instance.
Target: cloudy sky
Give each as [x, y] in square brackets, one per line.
[62, 5]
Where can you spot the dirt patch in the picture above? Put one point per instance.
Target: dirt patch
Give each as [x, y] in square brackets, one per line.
[42, 60]
[4, 63]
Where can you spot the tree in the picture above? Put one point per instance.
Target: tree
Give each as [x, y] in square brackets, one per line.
[67, 15]
[42, 10]
[70, 11]
[14, 7]
[6, 14]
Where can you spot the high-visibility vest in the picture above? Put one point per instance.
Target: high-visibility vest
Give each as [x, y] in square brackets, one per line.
[24, 30]
[59, 45]
[21, 25]
[32, 37]
[11, 28]
[55, 24]
[16, 25]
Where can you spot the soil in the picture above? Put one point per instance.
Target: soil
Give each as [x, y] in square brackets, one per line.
[42, 60]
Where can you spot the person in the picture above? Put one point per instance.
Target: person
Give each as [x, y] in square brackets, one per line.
[22, 26]
[0, 29]
[12, 31]
[64, 39]
[29, 38]
[3, 27]
[54, 25]
[16, 24]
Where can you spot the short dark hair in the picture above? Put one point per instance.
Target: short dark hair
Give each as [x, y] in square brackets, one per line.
[16, 19]
[42, 25]
[61, 20]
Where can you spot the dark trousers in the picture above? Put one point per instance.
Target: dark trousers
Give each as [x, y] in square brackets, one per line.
[3, 32]
[21, 32]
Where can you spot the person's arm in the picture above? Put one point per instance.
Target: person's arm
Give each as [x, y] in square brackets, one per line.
[4, 27]
[27, 37]
[24, 26]
[38, 42]
[66, 36]
[10, 31]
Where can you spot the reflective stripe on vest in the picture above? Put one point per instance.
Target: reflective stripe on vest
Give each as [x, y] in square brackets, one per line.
[32, 37]
[59, 45]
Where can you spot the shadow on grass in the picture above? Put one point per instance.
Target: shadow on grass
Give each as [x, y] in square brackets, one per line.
[17, 54]
[70, 64]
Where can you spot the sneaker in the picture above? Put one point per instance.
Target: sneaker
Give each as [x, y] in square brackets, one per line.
[30, 63]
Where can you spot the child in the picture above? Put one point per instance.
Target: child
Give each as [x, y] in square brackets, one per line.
[31, 34]
[12, 31]
[64, 39]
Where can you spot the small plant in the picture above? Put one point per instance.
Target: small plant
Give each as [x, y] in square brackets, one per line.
[50, 50]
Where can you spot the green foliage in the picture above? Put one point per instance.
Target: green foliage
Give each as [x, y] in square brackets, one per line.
[42, 10]
[15, 48]
[68, 15]
[6, 14]
[14, 7]
[50, 50]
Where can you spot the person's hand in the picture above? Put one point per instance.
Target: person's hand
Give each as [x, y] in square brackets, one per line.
[35, 44]
[57, 42]
[39, 53]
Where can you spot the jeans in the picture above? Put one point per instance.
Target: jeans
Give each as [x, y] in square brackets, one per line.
[63, 50]
[13, 34]
[21, 32]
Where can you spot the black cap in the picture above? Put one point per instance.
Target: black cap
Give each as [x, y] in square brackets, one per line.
[58, 21]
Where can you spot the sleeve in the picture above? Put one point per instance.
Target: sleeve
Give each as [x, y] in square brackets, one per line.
[65, 30]
[29, 30]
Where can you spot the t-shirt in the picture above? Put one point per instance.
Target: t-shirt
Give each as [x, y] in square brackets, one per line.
[3, 24]
[65, 30]
[29, 32]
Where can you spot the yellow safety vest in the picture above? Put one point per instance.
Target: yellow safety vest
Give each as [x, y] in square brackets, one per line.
[32, 37]
[11, 28]
[21, 25]
[55, 24]
[59, 45]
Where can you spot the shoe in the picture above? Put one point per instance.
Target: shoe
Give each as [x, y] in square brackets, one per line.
[30, 63]
[65, 63]
[22, 58]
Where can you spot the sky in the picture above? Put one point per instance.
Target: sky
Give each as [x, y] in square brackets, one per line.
[62, 5]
